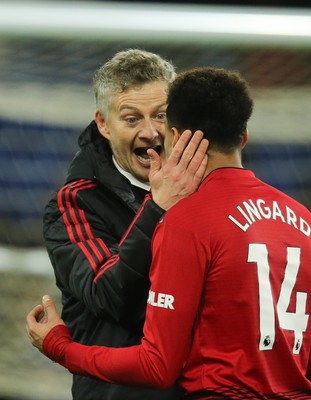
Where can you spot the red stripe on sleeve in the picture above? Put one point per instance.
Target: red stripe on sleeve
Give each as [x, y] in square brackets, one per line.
[147, 198]
[88, 256]
[75, 219]
[112, 261]
[103, 246]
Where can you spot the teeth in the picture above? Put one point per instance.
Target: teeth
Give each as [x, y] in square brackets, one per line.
[142, 152]
[144, 156]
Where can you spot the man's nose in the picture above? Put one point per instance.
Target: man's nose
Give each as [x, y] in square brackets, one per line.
[149, 130]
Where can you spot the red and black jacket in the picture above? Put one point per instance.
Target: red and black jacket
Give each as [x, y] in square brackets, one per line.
[98, 231]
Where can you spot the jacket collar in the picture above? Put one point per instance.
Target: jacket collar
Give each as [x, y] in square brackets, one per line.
[94, 161]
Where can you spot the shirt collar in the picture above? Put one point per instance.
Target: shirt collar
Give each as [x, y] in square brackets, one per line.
[134, 181]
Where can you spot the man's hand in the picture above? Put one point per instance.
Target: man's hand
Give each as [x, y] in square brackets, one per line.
[41, 320]
[183, 171]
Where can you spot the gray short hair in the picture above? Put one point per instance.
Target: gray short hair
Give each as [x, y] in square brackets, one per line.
[128, 69]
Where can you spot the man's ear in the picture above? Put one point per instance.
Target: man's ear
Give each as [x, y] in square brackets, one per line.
[101, 124]
[176, 136]
[244, 139]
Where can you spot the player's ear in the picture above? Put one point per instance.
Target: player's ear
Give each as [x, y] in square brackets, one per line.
[176, 135]
[101, 124]
[244, 139]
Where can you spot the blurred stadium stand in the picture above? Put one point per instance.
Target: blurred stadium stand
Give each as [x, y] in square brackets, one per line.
[43, 83]
[46, 101]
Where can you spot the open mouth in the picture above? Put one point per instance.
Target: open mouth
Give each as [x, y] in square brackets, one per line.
[141, 152]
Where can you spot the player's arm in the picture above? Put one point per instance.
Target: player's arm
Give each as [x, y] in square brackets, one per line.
[107, 276]
[308, 375]
[177, 281]
[89, 262]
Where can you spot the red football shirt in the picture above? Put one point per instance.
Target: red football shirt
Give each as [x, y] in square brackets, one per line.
[230, 297]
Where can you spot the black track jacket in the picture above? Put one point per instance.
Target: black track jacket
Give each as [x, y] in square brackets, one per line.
[98, 230]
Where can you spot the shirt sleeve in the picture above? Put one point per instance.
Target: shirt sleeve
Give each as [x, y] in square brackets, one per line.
[177, 280]
[103, 272]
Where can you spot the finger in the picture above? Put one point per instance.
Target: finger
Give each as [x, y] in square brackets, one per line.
[179, 148]
[48, 302]
[51, 314]
[199, 159]
[32, 320]
[155, 161]
[29, 334]
[27, 330]
[191, 148]
[49, 306]
[41, 317]
[198, 176]
[34, 314]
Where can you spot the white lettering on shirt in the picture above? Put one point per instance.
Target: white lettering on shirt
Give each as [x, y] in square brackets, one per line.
[161, 300]
[251, 211]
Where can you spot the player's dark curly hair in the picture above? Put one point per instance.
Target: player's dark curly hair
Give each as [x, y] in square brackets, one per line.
[213, 100]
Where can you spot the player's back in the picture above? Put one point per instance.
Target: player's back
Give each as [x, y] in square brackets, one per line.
[253, 335]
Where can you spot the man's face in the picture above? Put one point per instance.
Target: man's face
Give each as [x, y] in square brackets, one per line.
[136, 122]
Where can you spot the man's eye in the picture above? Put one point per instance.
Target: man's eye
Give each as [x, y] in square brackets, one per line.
[131, 120]
[161, 116]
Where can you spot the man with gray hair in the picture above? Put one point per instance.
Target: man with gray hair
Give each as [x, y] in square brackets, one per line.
[98, 227]
[229, 306]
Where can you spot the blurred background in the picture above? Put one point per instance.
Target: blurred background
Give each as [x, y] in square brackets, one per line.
[48, 54]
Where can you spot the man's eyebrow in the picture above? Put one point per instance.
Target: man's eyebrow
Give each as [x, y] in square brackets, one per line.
[130, 108]
[135, 109]
[162, 105]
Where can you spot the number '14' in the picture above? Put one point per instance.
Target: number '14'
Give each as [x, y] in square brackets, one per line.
[295, 321]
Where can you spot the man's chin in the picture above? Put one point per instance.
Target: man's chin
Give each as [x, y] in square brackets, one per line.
[142, 176]
[143, 179]
[141, 171]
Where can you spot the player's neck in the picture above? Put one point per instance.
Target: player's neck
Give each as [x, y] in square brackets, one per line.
[222, 160]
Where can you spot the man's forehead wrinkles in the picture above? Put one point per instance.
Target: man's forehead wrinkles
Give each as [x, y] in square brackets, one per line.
[137, 98]
[128, 107]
